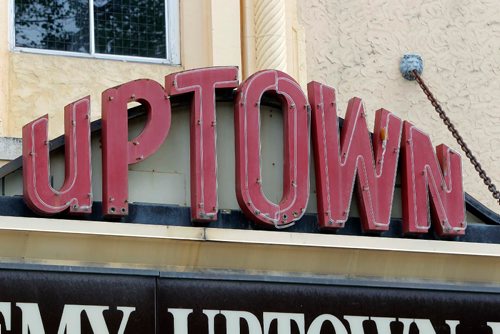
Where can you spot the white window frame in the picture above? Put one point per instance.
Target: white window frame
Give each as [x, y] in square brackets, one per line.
[172, 37]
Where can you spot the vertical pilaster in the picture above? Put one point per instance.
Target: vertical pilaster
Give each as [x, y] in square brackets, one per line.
[270, 35]
[272, 38]
[4, 65]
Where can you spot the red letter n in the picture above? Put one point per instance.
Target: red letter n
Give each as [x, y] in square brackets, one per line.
[438, 175]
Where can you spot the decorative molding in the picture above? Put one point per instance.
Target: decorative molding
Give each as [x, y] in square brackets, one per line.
[175, 248]
[270, 35]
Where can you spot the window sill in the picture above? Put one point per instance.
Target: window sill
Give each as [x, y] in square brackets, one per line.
[143, 60]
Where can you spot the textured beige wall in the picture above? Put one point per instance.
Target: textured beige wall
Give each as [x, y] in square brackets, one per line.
[43, 84]
[4, 63]
[355, 46]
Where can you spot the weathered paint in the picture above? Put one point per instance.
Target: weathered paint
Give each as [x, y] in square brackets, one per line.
[457, 40]
[4, 66]
[181, 249]
[201, 85]
[76, 191]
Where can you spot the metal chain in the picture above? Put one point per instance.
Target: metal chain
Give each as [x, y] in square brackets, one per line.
[468, 153]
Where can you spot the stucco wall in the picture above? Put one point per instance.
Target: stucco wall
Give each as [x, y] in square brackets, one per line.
[34, 84]
[355, 46]
[4, 63]
[42, 84]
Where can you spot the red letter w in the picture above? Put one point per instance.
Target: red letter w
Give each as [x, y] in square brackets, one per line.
[340, 158]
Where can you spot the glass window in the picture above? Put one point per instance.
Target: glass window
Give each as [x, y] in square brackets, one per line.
[53, 24]
[135, 28]
[130, 27]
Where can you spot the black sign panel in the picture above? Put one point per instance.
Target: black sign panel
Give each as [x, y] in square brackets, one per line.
[285, 308]
[45, 302]
[35, 302]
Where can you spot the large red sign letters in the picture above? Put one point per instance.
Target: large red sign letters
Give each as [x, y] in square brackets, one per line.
[202, 83]
[339, 158]
[117, 151]
[296, 149]
[75, 193]
[431, 182]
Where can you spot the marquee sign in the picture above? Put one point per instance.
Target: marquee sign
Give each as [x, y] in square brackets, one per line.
[431, 179]
[63, 302]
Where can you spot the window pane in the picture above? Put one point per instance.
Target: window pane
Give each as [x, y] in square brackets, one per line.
[130, 27]
[52, 24]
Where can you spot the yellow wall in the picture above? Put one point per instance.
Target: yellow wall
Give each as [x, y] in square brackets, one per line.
[44, 84]
[4, 64]
[356, 46]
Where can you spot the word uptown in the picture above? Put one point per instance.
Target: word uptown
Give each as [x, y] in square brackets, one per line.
[284, 323]
[431, 180]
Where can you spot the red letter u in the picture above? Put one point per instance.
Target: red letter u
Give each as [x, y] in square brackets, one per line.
[76, 191]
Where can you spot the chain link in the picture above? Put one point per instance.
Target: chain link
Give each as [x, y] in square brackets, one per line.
[468, 153]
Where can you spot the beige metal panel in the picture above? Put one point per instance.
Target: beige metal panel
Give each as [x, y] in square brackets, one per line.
[173, 155]
[169, 165]
[471, 219]
[10, 148]
[271, 137]
[56, 169]
[96, 161]
[101, 244]
[226, 157]
[13, 183]
[157, 187]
